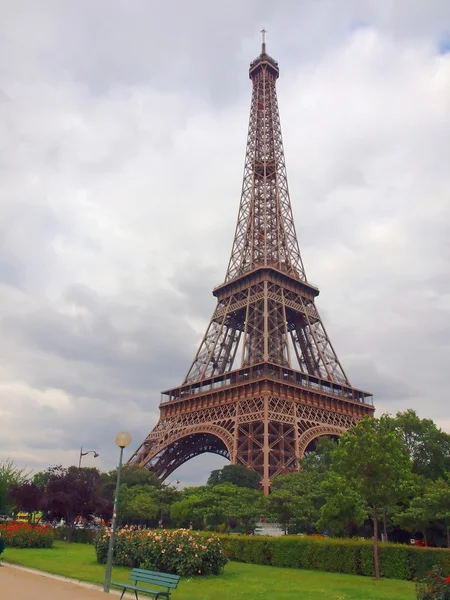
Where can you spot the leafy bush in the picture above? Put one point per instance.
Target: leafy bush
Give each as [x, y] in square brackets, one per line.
[434, 586]
[181, 552]
[2, 545]
[22, 535]
[351, 556]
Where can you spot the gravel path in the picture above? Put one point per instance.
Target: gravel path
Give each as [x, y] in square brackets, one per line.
[22, 584]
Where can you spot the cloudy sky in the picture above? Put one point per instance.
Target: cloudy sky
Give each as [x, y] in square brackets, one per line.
[122, 137]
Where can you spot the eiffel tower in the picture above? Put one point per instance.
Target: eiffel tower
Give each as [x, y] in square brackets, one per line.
[266, 380]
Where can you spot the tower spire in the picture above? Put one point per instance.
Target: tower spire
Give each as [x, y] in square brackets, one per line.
[263, 34]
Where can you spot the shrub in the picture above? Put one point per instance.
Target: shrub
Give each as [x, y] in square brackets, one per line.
[434, 586]
[22, 535]
[181, 551]
[2, 545]
[352, 556]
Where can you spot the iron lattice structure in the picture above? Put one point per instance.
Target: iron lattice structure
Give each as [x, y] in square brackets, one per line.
[266, 380]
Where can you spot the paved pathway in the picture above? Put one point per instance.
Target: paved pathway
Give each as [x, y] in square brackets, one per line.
[20, 584]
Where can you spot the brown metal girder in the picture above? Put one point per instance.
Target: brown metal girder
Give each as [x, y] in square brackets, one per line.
[234, 391]
[265, 273]
[286, 391]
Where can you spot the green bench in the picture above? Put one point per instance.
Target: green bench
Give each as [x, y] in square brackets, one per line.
[164, 580]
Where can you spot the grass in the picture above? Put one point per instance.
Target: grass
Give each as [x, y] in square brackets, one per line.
[251, 582]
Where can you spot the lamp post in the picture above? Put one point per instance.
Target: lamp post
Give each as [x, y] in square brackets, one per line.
[96, 454]
[122, 440]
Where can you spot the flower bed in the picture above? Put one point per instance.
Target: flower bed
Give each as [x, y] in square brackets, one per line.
[22, 535]
[434, 586]
[180, 552]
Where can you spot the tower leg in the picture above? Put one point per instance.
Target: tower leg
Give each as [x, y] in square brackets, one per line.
[266, 448]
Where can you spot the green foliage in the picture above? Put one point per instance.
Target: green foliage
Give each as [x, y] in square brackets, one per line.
[296, 498]
[180, 552]
[2, 545]
[132, 475]
[10, 475]
[350, 556]
[344, 505]
[431, 502]
[137, 503]
[237, 475]
[217, 504]
[372, 460]
[427, 445]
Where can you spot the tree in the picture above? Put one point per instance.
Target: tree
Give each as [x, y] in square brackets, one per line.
[72, 493]
[10, 475]
[427, 445]
[132, 475]
[296, 498]
[237, 475]
[372, 459]
[137, 503]
[218, 504]
[282, 507]
[165, 497]
[243, 504]
[27, 497]
[41, 479]
[430, 503]
[344, 506]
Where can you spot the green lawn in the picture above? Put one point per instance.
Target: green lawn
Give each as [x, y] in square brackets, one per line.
[239, 580]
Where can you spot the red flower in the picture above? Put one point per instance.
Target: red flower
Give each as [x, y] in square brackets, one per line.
[447, 579]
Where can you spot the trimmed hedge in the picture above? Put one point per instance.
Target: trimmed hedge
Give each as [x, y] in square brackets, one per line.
[397, 561]
[79, 536]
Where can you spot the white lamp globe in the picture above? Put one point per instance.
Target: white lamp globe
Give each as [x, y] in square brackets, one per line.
[123, 439]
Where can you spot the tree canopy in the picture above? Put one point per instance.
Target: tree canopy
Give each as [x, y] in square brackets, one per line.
[237, 475]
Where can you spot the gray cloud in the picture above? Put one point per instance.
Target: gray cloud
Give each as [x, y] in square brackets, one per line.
[122, 139]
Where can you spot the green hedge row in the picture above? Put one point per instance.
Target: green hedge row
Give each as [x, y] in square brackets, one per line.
[79, 536]
[397, 561]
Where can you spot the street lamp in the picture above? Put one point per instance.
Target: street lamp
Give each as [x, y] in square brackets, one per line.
[96, 454]
[122, 440]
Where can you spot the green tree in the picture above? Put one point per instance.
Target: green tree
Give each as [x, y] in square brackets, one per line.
[165, 497]
[236, 474]
[41, 479]
[428, 446]
[215, 505]
[296, 498]
[373, 460]
[282, 507]
[10, 475]
[430, 504]
[132, 475]
[137, 503]
[343, 507]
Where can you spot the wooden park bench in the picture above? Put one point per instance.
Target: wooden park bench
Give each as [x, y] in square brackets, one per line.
[163, 580]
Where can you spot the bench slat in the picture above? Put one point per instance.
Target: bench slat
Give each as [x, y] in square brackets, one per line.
[156, 573]
[156, 580]
[166, 580]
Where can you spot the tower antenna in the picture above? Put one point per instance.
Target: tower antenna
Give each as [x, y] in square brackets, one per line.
[263, 33]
